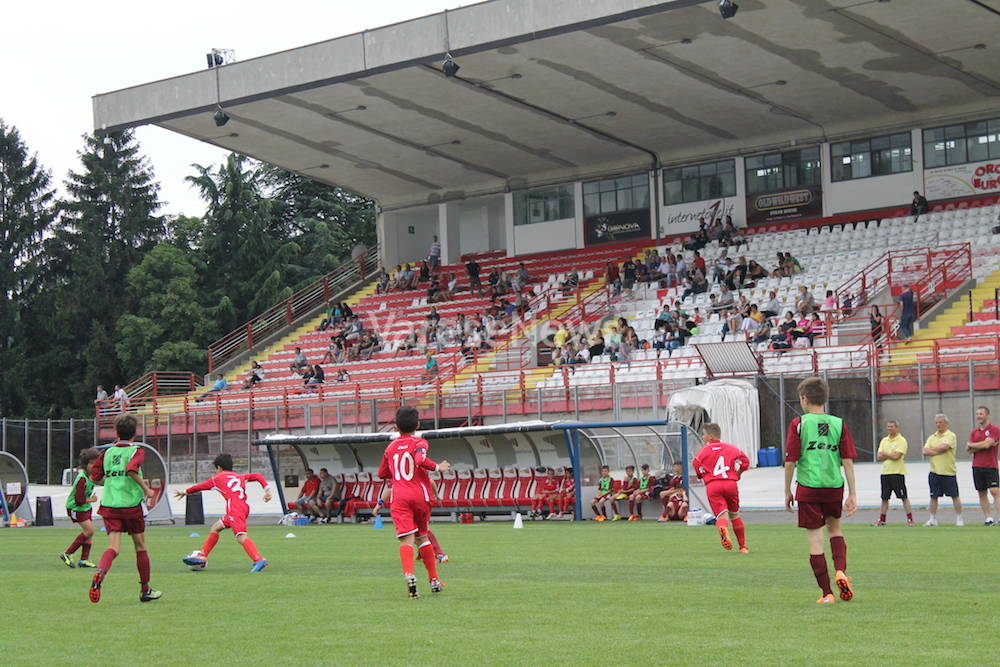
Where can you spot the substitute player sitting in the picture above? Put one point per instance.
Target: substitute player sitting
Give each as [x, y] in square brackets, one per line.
[720, 465]
[629, 486]
[547, 492]
[605, 487]
[641, 493]
[405, 462]
[567, 492]
[232, 486]
[669, 488]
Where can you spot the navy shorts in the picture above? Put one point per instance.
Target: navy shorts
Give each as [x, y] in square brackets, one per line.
[893, 484]
[942, 485]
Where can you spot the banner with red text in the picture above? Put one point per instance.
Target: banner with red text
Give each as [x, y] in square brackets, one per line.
[962, 180]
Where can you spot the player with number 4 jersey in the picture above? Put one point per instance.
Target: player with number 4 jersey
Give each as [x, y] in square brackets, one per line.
[232, 486]
[720, 466]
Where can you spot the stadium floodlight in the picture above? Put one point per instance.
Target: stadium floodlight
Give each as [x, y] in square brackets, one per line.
[449, 65]
[220, 117]
[219, 57]
[728, 8]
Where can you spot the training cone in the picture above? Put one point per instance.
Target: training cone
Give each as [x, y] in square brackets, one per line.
[378, 522]
[195, 535]
[518, 521]
[289, 535]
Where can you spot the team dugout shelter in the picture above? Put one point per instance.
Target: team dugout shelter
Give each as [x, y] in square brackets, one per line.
[525, 126]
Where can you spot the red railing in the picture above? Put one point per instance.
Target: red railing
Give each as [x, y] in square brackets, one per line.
[950, 267]
[287, 312]
[162, 383]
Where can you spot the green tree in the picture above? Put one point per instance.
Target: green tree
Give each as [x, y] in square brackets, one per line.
[26, 214]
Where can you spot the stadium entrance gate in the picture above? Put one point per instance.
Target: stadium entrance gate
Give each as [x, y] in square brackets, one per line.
[583, 446]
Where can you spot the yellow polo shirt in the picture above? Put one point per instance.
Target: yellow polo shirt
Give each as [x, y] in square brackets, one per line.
[560, 337]
[944, 463]
[888, 446]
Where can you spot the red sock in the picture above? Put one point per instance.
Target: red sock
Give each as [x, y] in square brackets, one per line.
[210, 542]
[818, 565]
[76, 544]
[741, 532]
[614, 507]
[434, 543]
[881, 517]
[631, 507]
[251, 550]
[722, 522]
[427, 555]
[107, 558]
[838, 547]
[85, 552]
[406, 558]
[553, 506]
[909, 517]
[666, 503]
[142, 564]
[565, 504]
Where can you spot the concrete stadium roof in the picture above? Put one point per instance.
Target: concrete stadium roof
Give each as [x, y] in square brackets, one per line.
[557, 90]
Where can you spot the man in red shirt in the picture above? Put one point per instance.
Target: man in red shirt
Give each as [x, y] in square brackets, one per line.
[405, 462]
[233, 489]
[308, 493]
[982, 445]
[720, 465]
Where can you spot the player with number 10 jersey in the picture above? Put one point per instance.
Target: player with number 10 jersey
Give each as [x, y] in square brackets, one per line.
[720, 466]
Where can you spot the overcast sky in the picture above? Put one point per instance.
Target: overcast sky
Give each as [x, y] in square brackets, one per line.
[57, 54]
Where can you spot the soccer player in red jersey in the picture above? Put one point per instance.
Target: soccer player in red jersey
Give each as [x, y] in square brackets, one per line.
[548, 492]
[119, 470]
[405, 462]
[233, 488]
[629, 486]
[720, 465]
[669, 488]
[817, 446]
[385, 498]
[78, 507]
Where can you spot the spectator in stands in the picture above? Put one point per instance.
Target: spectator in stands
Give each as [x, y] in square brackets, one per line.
[308, 492]
[596, 345]
[682, 268]
[830, 302]
[434, 254]
[367, 346]
[773, 306]
[255, 375]
[722, 266]
[877, 323]
[817, 327]
[472, 270]
[434, 292]
[802, 330]
[220, 384]
[382, 281]
[908, 315]
[425, 272]
[613, 277]
[343, 375]
[101, 397]
[407, 344]
[804, 301]
[725, 300]
[732, 322]
[120, 398]
[628, 274]
[334, 351]
[763, 332]
[785, 336]
[571, 283]
[333, 316]
[698, 263]
[408, 279]
[522, 274]
[919, 205]
[430, 368]
[779, 269]
[299, 361]
[696, 285]
[792, 266]
[561, 335]
[755, 271]
[738, 276]
[354, 329]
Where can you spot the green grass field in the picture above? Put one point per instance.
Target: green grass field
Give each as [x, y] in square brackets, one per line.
[593, 594]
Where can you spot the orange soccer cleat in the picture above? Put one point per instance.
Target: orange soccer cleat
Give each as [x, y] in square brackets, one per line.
[744, 550]
[826, 599]
[844, 584]
[727, 544]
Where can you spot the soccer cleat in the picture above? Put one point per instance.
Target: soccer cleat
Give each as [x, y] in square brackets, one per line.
[95, 587]
[662, 519]
[844, 584]
[826, 599]
[617, 517]
[411, 586]
[633, 517]
[988, 522]
[931, 522]
[150, 594]
[442, 558]
[959, 521]
[909, 522]
[727, 544]
[551, 515]
[259, 565]
[600, 517]
[85, 563]
[878, 523]
[66, 559]
[436, 585]
[744, 550]
[194, 558]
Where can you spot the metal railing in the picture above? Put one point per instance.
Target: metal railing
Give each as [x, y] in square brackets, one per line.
[286, 313]
[162, 383]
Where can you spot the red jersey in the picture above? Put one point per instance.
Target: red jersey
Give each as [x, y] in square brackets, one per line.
[405, 462]
[719, 461]
[568, 484]
[232, 486]
[549, 484]
[629, 484]
[986, 458]
[310, 487]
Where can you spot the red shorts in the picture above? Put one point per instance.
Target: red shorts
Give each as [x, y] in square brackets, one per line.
[236, 523]
[722, 496]
[123, 519]
[642, 495]
[814, 515]
[410, 516]
[79, 517]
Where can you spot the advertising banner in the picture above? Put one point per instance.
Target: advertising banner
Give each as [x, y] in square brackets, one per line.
[621, 226]
[962, 180]
[791, 204]
[683, 218]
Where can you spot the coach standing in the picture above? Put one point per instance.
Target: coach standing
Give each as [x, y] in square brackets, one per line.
[942, 479]
[983, 446]
[892, 451]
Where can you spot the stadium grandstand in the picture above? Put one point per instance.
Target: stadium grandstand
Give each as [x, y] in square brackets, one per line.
[585, 208]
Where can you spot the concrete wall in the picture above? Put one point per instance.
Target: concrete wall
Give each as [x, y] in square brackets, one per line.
[399, 244]
[545, 236]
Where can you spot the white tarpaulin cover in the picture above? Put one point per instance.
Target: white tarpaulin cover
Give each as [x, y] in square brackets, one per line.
[730, 403]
